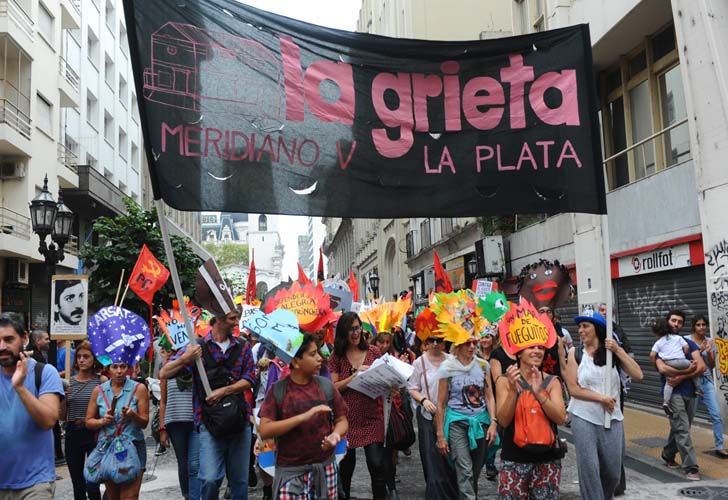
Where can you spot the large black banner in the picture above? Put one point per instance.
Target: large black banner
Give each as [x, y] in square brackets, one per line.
[247, 111]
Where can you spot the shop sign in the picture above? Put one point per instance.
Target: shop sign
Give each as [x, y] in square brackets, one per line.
[661, 259]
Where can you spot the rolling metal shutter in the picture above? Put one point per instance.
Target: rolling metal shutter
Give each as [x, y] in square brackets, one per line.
[641, 299]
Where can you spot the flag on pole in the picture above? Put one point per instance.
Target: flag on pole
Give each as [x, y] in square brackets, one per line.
[250, 290]
[353, 286]
[211, 291]
[442, 280]
[320, 276]
[148, 276]
[302, 278]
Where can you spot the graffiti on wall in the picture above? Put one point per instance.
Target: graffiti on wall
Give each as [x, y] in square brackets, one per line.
[716, 262]
[651, 302]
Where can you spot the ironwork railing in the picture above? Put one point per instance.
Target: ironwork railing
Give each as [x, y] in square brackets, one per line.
[68, 157]
[69, 74]
[12, 116]
[15, 224]
[71, 247]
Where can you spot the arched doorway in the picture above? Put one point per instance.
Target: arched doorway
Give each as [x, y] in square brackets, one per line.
[389, 277]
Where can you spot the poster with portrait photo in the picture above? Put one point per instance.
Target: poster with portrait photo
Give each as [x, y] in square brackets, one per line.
[69, 310]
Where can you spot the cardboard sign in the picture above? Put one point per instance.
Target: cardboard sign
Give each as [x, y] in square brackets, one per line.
[310, 304]
[173, 326]
[483, 287]
[279, 330]
[523, 327]
[340, 295]
[70, 306]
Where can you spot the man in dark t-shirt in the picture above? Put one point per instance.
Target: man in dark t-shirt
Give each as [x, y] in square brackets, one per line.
[307, 426]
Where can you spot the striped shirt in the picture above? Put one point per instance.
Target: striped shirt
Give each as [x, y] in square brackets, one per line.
[79, 396]
[179, 404]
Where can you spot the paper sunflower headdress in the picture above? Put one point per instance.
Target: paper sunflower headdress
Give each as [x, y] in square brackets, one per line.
[458, 315]
[523, 326]
[426, 325]
[494, 306]
[383, 317]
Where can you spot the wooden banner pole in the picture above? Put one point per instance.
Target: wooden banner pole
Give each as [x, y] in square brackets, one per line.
[159, 204]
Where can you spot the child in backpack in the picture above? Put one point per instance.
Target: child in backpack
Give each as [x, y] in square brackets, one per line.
[307, 426]
[672, 349]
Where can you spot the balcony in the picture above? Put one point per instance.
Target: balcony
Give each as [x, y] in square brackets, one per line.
[14, 130]
[72, 246]
[68, 157]
[70, 14]
[17, 23]
[69, 85]
[95, 196]
[14, 224]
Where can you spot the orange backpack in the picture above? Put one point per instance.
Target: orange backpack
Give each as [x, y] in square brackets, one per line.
[533, 432]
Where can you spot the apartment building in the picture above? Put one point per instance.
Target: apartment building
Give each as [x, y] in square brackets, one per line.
[400, 251]
[69, 111]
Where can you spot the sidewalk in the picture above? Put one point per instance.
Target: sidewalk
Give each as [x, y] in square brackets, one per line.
[646, 434]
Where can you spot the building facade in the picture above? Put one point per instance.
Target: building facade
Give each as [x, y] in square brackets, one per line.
[400, 251]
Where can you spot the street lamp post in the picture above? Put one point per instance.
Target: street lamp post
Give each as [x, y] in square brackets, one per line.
[473, 268]
[374, 283]
[55, 220]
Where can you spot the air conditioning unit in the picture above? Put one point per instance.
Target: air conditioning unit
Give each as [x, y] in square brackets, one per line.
[11, 170]
[17, 271]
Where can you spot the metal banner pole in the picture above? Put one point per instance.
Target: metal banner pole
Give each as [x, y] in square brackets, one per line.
[159, 204]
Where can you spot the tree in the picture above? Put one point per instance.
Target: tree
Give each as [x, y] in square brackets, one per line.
[228, 254]
[120, 239]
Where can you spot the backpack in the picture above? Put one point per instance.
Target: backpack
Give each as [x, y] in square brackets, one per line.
[533, 431]
[38, 375]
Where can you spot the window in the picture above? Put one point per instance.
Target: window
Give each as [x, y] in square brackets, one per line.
[642, 96]
[109, 71]
[262, 223]
[110, 16]
[123, 40]
[410, 244]
[446, 225]
[425, 236]
[672, 101]
[135, 157]
[123, 143]
[45, 24]
[92, 110]
[94, 53]
[108, 128]
[134, 108]
[44, 115]
[122, 91]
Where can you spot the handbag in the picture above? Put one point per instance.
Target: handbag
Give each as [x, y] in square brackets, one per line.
[401, 430]
[228, 416]
[114, 458]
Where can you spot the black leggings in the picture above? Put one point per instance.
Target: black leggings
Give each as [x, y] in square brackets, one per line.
[376, 463]
[80, 442]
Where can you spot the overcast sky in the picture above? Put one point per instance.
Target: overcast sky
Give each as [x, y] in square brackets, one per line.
[340, 14]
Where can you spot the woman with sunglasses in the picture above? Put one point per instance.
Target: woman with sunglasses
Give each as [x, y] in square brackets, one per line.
[80, 441]
[423, 386]
[351, 355]
[463, 419]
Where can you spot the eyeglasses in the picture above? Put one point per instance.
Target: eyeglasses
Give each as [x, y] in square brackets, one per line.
[356, 329]
[435, 341]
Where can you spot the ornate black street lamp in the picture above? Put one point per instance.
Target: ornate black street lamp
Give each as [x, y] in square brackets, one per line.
[56, 220]
[374, 283]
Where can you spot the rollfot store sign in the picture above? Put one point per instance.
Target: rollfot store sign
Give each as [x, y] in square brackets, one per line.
[243, 110]
[654, 261]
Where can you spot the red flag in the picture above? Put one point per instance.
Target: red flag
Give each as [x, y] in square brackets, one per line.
[148, 276]
[442, 280]
[320, 272]
[302, 278]
[353, 286]
[250, 290]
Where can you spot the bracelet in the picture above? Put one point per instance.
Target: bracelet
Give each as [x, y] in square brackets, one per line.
[422, 401]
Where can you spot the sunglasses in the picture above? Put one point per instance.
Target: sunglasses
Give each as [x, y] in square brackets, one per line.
[435, 341]
[470, 343]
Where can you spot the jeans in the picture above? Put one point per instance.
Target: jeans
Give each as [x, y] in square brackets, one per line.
[80, 442]
[683, 413]
[221, 457]
[377, 465]
[710, 400]
[186, 443]
[468, 463]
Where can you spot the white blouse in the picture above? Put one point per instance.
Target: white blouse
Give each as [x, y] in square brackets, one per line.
[593, 377]
[425, 368]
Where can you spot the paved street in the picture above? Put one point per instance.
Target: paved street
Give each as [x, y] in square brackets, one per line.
[647, 479]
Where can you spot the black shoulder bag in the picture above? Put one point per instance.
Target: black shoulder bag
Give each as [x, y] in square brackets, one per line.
[227, 417]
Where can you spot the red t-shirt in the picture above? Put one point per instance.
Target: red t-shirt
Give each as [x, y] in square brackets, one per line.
[302, 445]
